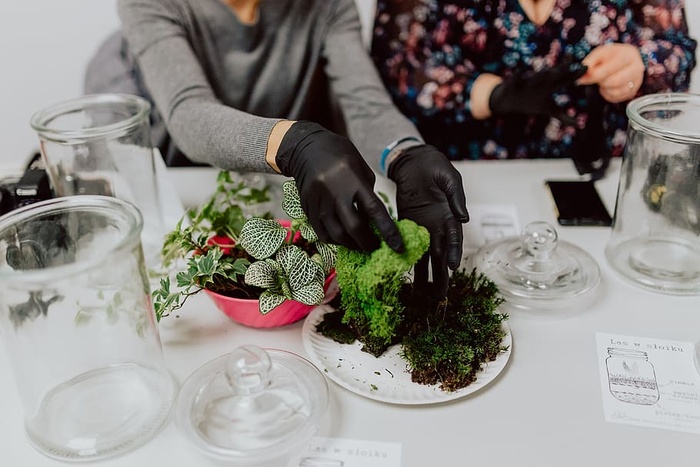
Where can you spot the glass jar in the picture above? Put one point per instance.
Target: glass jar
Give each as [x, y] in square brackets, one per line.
[79, 327]
[101, 145]
[631, 376]
[655, 241]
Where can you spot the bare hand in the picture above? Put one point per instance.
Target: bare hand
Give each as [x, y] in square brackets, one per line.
[617, 69]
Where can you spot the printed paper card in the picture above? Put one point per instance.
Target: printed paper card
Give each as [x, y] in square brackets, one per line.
[489, 222]
[338, 452]
[649, 382]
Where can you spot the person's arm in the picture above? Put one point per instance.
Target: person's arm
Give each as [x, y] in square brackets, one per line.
[202, 127]
[372, 120]
[428, 188]
[667, 50]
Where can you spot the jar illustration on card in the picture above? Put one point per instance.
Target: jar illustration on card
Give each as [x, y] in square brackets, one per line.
[631, 376]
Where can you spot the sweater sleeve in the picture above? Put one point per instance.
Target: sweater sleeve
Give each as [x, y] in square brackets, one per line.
[667, 50]
[372, 120]
[203, 128]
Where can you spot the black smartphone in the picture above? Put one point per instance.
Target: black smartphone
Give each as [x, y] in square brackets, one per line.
[577, 202]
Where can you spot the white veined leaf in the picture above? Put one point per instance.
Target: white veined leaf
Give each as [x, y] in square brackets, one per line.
[261, 274]
[308, 232]
[269, 301]
[285, 290]
[310, 294]
[328, 252]
[262, 237]
[300, 269]
[291, 202]
[321, 274]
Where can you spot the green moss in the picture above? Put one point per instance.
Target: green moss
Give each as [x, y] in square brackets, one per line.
[333, 328]
[444, 342]
[371, 283]
[450, 345]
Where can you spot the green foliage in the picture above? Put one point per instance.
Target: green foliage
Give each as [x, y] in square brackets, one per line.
[284, 270]
[195, 239]
[444, 342]
[232, 203]
[370, 283]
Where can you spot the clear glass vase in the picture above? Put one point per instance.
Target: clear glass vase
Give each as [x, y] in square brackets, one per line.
[101, 145]
[655, 241]
[79, 327]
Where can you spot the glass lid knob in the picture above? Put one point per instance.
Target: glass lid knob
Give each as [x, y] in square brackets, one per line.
[539, 239]
[248, 370]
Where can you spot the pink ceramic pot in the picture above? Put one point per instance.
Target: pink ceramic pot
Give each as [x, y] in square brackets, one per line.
[247, 312]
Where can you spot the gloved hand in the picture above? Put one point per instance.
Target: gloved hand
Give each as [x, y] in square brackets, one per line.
[429, 192]
[336, 187]
[590, 150]
[532, 92]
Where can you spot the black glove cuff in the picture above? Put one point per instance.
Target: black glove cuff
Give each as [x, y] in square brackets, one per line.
[297, 133]
[495, 98]
[406, 156]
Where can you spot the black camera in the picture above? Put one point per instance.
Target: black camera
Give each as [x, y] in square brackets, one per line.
[29, 188]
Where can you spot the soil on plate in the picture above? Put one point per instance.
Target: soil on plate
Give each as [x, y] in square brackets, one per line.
[444, 342]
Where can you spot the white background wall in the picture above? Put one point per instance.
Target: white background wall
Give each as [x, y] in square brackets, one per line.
[46, 44]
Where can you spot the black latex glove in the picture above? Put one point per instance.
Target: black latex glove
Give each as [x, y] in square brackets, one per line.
[532, 92]
[429, 192]
[336, 187]
[590, 150]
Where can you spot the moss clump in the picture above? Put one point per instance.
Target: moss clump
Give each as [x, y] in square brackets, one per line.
[371, 284]
[449, 345]
[444, 342]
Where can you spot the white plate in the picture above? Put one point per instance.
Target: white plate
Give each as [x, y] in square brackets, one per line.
[386, 378]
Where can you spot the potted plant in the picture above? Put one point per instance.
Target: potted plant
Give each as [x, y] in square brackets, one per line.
[443, 341]
[259, 271]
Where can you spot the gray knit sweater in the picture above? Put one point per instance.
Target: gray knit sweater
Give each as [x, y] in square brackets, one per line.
[221, 85]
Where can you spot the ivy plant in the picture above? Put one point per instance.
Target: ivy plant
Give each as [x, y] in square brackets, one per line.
[206, 239]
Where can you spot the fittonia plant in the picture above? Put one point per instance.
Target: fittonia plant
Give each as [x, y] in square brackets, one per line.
[285, 267]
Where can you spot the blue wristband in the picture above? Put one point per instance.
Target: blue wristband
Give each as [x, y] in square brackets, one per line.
[388, 150]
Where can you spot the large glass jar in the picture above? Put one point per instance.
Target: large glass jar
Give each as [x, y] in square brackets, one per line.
[655, 240]
[100, 144]
[79, 327]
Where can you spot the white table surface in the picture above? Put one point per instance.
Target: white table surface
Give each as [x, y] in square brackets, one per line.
[545, 409]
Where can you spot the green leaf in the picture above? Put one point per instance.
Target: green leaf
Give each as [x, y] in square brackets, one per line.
[232, 270]
[291, 202]
[269, 301]
[308, 232]
[296, 263]
[262, 237]
[261, 274]
[311, 294]
[387, 203]
[206, 265]
[329, 253]
[185, 278]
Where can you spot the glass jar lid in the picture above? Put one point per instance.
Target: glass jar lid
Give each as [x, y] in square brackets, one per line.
[252, 405]
[536, 270]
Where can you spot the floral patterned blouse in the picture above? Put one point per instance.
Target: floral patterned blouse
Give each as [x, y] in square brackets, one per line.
[430, 52]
